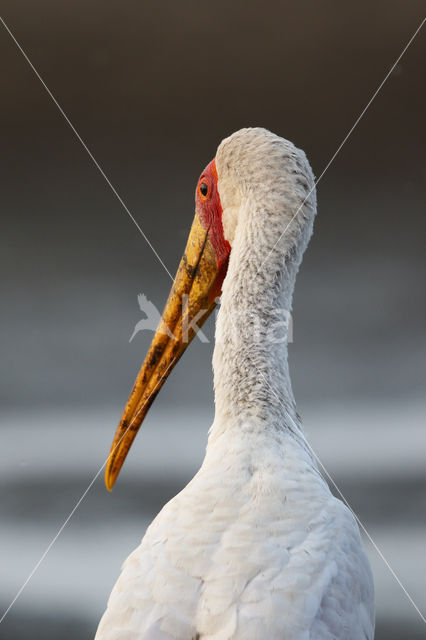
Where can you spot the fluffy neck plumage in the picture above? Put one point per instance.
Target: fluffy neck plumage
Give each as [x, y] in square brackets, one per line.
[251, 376]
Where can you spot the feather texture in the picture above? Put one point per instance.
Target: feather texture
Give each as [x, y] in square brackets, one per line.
[255, 546]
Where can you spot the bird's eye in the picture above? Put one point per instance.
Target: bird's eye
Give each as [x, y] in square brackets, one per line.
[204, 189]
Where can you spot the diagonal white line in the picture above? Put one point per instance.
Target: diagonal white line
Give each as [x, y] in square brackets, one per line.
[121, 201]
[380, 553]
[86, 148]
[374, 544]
[339, 148]
[346, 138]
[79, 501]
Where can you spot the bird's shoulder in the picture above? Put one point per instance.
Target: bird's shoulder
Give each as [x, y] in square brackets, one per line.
[212, 561]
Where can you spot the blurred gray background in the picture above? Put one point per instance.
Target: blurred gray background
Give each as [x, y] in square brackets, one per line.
[152, 88]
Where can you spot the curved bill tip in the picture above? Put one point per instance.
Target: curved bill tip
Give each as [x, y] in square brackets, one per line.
[127, 430]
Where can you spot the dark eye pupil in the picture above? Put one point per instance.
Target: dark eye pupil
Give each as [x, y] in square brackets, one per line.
[204, 189]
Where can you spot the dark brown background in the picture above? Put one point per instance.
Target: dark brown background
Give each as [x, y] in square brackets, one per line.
[152, 88]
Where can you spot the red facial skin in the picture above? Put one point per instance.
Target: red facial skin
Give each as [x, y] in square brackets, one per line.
[209, 210]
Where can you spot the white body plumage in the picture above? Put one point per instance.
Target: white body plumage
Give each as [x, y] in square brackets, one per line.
[255, 547]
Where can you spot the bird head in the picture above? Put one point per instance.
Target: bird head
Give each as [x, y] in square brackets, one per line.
[192, 298]
[251, 166]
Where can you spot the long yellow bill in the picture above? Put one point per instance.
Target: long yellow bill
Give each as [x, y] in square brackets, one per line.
[190, 302]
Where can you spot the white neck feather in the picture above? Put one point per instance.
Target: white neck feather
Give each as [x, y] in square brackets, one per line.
[267, 192]
[251, 376]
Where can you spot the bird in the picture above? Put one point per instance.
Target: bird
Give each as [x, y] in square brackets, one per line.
[255, 547]
[151, 320]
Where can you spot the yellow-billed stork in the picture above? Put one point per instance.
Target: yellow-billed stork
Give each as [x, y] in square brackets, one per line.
[255, 547]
